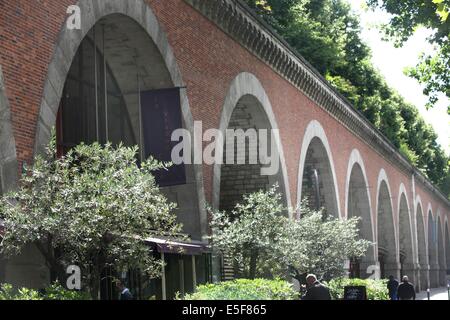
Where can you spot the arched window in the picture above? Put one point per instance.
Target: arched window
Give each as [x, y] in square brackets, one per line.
[93, 107]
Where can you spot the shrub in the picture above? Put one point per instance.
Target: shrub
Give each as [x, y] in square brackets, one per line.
[58, 292]
[53, 292]
[376, 289]
[7, 292]
[245, 289]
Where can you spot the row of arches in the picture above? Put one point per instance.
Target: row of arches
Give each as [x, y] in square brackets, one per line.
[122, 50]
[399, 246]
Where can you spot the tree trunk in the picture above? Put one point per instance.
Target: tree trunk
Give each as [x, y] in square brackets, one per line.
[94, 285]
[253, 262]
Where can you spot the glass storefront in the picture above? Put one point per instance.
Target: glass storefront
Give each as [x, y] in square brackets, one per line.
[93, 107]
[182, 274]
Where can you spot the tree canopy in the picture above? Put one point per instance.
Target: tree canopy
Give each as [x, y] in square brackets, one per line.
[433, 70]
[92, 208]
[328, 34]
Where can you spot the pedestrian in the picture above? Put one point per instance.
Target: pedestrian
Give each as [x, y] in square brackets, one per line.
[406, 290]
[125, 293]
[315, 290]
[392, 286]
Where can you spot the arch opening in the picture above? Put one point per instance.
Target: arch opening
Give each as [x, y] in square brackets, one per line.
[405, 240]
[422, 249]
[441, 254]
[120, 56]
[241, 174]
[114, 64]
[318, 188]
[387, 253]
[358, 205]
[447, 249]
[432, 251]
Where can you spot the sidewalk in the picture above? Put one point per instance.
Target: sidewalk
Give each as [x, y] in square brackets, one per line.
[435, 294]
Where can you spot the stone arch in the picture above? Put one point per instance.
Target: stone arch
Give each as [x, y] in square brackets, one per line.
[358, 204]
[405, 235]
[247, 106]
[441, 251]
[421, 245]
[8, 155]
[432, 248]
[65, 50]
[386, 231]
[316, 156]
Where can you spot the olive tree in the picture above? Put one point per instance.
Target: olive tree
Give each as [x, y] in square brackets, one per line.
[264, 242]
[322, 244]
[92, 208]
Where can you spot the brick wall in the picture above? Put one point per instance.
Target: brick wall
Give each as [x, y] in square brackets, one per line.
[209, 60]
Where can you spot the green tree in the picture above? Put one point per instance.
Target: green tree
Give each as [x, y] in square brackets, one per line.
[406, 16]
[265, 243]
[322, 244]
[92, 208]
[328, 34]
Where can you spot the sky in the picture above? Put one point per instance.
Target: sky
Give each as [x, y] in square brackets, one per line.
[392, 61]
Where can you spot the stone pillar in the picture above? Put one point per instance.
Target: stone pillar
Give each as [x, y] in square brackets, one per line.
[392, 269]
[419, 285]
[424, 277]
[434, 275]
[442, 276]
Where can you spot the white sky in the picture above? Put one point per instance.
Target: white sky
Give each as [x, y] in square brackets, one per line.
[391, 62]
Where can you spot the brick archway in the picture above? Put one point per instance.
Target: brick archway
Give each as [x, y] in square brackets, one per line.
[441, 251]
[405, 235]
[8, 156]
[358, 204]
[66, 49]
[387, 240]
[246, 86]
[432, 247]
[422, 249]
[315, 134]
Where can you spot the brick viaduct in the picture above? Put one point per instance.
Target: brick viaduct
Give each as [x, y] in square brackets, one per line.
[238, 74]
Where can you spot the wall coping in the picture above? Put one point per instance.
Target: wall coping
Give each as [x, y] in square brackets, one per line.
[236, 19]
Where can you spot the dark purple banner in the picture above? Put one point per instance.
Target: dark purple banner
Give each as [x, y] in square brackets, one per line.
[161, 115]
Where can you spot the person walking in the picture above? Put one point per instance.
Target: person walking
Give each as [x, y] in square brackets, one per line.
[316, 290]
[406, 290]
[392, 286]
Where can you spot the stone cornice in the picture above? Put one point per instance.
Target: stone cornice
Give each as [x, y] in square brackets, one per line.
[238, 21]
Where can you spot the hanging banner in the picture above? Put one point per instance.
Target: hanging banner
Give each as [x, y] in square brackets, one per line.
[161, 115]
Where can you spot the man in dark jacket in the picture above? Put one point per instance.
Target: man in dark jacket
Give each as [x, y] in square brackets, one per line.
[125, 293]
[406, 290]
[392, 286]
[316, 290]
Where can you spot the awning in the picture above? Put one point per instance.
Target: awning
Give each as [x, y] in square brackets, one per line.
[177, 247]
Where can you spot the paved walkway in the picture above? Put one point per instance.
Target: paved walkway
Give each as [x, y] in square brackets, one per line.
[435, 293]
